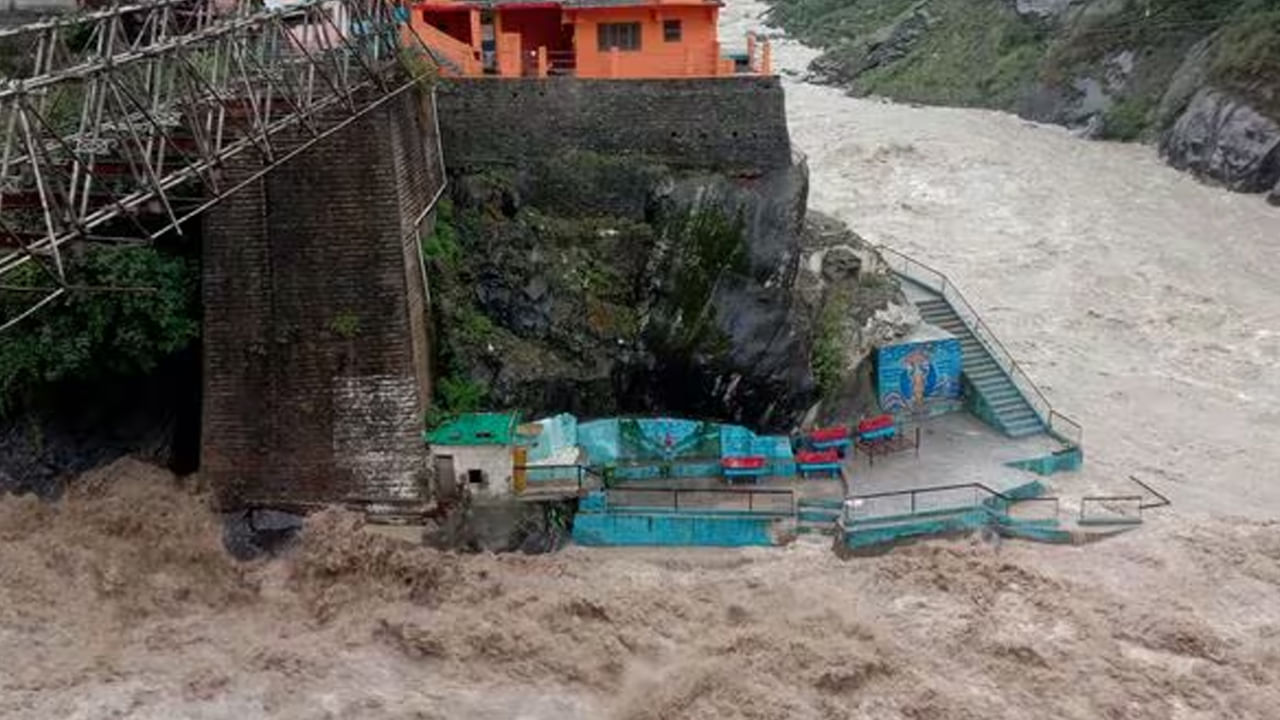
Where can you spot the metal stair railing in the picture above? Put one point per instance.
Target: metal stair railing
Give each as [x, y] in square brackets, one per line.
[1060, 425]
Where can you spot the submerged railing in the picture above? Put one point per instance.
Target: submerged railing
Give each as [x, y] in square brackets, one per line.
[1120, 509]
[1059, 424]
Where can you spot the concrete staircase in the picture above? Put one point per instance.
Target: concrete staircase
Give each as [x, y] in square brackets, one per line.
[998, 401]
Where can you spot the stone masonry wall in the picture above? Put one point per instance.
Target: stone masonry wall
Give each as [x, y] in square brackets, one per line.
[316, 350]
[733, 124]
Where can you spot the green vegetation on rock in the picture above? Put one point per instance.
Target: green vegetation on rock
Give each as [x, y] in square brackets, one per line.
[976, 52]
[829, 346]
[985, 53]
[706, 246]
[1247, 57]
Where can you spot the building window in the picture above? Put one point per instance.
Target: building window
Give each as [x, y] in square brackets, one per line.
[624, 36]
[475, 477]
[671, 30]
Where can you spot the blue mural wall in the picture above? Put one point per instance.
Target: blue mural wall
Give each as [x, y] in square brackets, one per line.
[690, 448]
[919, 377]
[672, 529]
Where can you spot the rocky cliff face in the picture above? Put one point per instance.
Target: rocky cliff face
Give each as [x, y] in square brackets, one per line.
[1220, 137]
[1201, 78]
[598, 286]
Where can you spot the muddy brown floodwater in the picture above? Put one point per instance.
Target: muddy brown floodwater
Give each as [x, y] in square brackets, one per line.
[118, 602]
[1145, 302]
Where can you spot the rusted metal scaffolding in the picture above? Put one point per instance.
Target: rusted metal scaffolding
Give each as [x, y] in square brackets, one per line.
[117, 121]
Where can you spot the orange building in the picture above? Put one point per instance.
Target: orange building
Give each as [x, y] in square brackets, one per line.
[586, 38]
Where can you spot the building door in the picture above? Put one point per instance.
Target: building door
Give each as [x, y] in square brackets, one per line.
[488, 42]
[446, 480]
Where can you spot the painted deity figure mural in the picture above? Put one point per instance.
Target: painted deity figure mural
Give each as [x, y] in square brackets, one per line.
[919, 377]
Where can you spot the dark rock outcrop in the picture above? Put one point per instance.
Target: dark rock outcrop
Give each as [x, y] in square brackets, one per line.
[78, 426]
[1106, 69]
[885, 46]
[687, 294]
[1223, 139]
[856, 305]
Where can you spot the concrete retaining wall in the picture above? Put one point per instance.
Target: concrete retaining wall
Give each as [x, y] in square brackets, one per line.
[735, 124]
[673, 529]
[315, 344]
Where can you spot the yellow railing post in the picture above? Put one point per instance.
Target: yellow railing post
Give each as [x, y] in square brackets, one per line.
[542, 61]
[519, 470]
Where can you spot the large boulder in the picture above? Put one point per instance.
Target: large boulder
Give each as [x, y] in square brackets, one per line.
[1221, 138]
[856, 305]
[1043, 9]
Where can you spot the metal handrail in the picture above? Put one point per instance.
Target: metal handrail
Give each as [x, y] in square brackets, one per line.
[581, 474]
[676, 492]
[1163, 500]
[1088, 500]
[1059, 424]
[913, 492]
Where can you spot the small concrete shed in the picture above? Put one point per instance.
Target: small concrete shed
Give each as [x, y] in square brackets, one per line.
[476, 449]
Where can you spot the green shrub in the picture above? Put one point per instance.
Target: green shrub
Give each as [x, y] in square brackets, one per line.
[441, 244]
[1127, 119]
[827, 361]
[454, 395]
[98, 334]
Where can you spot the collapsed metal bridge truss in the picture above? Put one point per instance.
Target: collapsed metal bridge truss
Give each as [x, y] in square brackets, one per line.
[115, 122]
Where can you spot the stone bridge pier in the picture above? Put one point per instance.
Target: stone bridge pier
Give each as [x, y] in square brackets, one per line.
[315, 338]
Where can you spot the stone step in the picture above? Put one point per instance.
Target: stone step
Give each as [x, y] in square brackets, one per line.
[1008, 403]
[1016, 418]
[1024, 429]
[978, 377]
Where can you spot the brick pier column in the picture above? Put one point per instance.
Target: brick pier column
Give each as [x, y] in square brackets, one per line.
[315, 344]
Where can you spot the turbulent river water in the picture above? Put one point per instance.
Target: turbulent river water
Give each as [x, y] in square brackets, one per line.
[1145, 304]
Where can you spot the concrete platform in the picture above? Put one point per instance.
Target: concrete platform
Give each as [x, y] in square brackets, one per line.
[955, 448]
